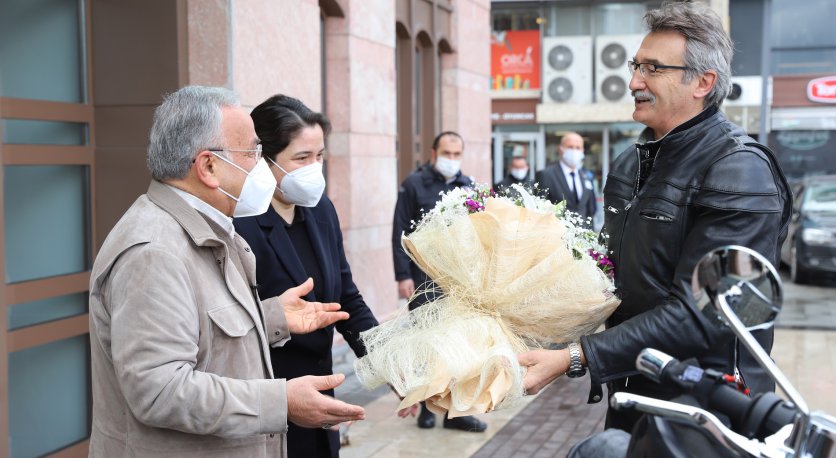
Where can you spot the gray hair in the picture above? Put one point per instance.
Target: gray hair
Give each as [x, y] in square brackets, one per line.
[707, 45]
[187, 122]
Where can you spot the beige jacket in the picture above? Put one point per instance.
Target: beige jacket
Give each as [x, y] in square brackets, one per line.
[180, 357]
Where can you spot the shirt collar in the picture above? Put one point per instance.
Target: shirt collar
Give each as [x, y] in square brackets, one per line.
[567, 170]
[209, 211]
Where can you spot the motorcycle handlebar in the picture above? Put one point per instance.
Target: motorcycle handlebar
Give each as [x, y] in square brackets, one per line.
[757, 417]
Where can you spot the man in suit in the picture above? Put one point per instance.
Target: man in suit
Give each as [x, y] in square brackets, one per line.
[418, 194]
[180, 340]
[568, 181]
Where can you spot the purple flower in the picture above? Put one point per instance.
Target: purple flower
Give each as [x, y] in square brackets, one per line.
[603, 263]
[473, 206]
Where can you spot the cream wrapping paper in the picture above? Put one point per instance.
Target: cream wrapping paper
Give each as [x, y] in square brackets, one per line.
[510, 281]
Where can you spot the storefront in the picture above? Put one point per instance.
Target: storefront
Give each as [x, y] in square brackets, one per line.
[804, 124]
[582, 85]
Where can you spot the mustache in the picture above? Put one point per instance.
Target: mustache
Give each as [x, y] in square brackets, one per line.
[644, 95]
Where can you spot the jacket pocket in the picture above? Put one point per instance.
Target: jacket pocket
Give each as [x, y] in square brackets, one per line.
[656, 216]
[232, 319]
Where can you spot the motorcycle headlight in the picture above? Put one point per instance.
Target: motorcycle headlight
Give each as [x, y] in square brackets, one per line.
[815, 236]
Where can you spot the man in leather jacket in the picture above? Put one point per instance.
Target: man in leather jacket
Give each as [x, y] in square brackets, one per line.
[693, 182]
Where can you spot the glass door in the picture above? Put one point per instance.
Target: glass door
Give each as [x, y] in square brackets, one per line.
[507, 145]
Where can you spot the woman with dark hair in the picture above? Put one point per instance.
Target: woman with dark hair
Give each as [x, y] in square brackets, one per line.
[299, 238]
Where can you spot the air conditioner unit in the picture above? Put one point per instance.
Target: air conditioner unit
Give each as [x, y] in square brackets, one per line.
[745, 92]
[612, 79]
[567, 70]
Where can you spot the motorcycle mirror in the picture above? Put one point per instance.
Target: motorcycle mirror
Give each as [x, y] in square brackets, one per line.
[737, 287]
[748, 281]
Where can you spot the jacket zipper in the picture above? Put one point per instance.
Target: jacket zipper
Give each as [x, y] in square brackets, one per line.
[629, 204]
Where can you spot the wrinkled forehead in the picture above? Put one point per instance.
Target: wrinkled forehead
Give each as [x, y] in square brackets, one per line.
[666, 47]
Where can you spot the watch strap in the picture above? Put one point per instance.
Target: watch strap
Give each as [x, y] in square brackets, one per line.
[576, 369]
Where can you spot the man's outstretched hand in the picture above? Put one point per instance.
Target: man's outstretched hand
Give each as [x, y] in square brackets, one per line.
[309, 408]
[303, 316]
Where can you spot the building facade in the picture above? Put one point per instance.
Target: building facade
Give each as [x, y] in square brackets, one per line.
[801, 64]
[560, 65]
[579, 52]
[79, 80]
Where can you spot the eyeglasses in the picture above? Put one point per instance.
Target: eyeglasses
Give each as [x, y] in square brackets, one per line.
[249, 153]
[647, 69]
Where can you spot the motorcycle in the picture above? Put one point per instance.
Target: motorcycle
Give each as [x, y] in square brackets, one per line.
[735, 287]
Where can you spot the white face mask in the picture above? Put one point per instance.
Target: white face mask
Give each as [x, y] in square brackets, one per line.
[519, 174]
[257, 190]
[447, 167]
[573, 157]
[303, 186]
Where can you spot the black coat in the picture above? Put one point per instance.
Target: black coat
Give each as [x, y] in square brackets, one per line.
[709, 185]
[418, 194]
[510, 180]
[279, 268]
[553, 179]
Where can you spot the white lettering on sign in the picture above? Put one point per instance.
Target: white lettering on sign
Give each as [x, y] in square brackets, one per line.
[512, 116]
[517, 63]
[822, 89]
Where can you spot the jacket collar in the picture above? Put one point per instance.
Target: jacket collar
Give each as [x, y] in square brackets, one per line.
[189, 219]
[279, 241]
[682, 131]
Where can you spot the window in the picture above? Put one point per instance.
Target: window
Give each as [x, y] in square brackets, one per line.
[46, 125]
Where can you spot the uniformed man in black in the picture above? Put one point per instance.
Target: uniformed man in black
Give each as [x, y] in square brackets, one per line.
[417, 195]
[518, 173]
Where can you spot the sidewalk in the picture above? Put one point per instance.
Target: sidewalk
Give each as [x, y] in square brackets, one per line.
[542, 426]
[550, 423]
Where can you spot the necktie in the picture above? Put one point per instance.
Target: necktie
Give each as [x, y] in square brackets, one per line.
[572, 187]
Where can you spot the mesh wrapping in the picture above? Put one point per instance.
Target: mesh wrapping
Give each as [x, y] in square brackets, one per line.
[509, 281]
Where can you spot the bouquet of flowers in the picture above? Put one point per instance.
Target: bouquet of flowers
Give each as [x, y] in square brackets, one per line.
[515, 271]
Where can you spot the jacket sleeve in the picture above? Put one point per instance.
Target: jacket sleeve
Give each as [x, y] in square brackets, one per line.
[404, 212]
[592, 204]
[360, 317]
[154, 346]
[546, 180]
[740, 203]
[275, 322]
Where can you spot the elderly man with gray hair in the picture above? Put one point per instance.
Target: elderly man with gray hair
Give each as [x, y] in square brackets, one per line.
[693, 182]
[179, 337]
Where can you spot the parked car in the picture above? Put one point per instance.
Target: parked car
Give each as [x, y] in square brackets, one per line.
[810, 248]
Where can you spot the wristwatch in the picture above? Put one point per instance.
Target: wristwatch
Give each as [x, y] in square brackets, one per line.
[576, 369]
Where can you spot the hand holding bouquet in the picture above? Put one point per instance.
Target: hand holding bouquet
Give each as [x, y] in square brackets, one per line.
[516, 272]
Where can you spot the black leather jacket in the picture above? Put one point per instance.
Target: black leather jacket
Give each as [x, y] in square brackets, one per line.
[667, 203]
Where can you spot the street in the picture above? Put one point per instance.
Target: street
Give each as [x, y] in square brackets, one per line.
[548, 425]
[805, 337]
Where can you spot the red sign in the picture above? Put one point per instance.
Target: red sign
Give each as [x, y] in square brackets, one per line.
[822, 89]
[515, 60]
